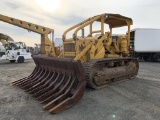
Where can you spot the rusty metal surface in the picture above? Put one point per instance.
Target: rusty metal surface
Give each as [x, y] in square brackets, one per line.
[56, 83]
[102, 72]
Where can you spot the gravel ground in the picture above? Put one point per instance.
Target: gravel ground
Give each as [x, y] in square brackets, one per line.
[136, 99]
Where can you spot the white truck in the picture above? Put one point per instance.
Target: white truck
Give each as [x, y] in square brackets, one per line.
[16, 51]
[145, 44]
[2, 50]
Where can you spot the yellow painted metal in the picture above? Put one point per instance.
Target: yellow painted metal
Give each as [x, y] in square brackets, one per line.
[128, 34]
[97, 31]
[116, 47]
[123, 44]
[68, 40]
[90, 27]
[4, 38]
[100, 46]
[70, 54]
[91, 47]
[47, 47]
[73, 27]
[83, 52]
[85, 24]
[81, 43]
[85, 47]
[92, 51]
[113, 56]
[101, 40]
[100, 53]
[26, 25]
[4, 42]
[102, 24]
[110, 49]
[60, 55]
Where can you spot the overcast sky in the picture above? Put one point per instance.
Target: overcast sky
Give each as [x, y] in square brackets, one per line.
[62, 14]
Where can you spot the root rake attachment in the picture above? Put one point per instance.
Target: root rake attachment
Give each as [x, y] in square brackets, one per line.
[56, 83]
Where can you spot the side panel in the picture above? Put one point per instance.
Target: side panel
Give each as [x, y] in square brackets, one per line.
[147, 40]
[3, 57]
[2, 48]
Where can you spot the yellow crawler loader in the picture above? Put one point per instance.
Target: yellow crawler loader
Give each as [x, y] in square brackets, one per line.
[94, 58]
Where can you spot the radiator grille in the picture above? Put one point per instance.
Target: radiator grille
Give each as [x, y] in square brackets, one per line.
[69, 47]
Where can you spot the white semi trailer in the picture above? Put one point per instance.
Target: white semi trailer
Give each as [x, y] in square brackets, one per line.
[145, 44]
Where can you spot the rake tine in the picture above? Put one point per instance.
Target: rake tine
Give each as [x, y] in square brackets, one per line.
[66, 103]
[29, 85]
[51, 104]
[61, 91]
[37, 94]
[43, 86]
[28, 79]
[57, 83]
[39, 83]
[32, 74]
[52, 91]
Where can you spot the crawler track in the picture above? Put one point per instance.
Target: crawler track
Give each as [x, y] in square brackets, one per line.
[102, 72]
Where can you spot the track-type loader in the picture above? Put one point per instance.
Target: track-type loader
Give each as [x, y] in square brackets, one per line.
[95, 59]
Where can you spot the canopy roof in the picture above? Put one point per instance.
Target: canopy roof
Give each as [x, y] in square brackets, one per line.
[116, 20]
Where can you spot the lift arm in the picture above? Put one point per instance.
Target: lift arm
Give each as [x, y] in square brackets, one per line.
[4, 39]
[47, 47]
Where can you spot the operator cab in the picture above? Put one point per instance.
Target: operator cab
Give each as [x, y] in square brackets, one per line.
[15, 45]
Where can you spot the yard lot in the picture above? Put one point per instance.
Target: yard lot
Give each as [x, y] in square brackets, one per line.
[137, 99]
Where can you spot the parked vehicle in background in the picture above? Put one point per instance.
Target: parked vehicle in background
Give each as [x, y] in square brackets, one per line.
[15, 51]
[145, 44]
[2, 50]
